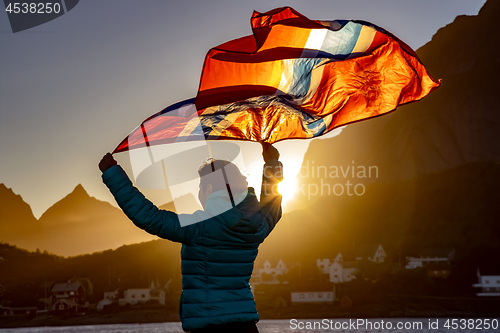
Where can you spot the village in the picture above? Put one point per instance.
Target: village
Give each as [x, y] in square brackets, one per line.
[276, 284]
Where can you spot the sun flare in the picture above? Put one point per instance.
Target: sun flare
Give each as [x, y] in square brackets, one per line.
[287, 188]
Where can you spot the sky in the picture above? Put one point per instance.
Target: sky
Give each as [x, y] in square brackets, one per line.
[73, 88]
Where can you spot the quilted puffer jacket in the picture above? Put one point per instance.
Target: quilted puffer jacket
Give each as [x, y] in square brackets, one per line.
[217, 254]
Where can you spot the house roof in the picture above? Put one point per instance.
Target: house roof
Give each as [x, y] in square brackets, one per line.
[367, 250]
[274, 263]
[348, 255]
[72, 286]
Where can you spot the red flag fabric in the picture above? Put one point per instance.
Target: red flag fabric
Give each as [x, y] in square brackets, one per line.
[293, 78]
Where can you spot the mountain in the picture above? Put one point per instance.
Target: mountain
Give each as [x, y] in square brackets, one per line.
[448, 138]
[77, 224]
[17, 223]
[456, 124]
[426, 175]
[80, 224]
[456, 207]
[405, 216]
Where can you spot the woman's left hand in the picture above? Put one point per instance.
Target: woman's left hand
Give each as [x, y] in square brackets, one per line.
[107, 162]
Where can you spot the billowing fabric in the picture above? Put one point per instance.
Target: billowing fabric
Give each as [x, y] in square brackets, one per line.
[217, 254]
[294, 78]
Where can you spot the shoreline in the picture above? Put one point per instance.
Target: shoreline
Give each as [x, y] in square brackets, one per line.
[161, 315]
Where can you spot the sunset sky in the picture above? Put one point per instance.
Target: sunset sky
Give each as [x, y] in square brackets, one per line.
[73, 88]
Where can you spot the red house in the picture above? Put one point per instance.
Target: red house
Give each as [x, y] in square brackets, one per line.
[68, 297]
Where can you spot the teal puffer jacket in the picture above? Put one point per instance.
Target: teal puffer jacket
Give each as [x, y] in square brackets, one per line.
[217, 254]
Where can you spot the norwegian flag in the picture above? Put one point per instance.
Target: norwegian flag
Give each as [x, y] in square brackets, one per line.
[293, 78]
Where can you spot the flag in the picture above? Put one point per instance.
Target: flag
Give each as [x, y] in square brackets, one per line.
[293, 78]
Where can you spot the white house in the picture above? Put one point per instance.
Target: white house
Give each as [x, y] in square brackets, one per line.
[372, 252]
[319, 292]
[158, 295]
[313, 297]
[111, 295]
[280, 268]
[157, 292]
[335, 271]
[489, 284]
[341, 272]
[323, 265]
[109, 298]
[270, 272]
[134, 296]
[338, 270]
[142, 295]
[413, 263]
[434, 256]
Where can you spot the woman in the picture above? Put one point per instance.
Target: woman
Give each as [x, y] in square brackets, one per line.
[217, 253]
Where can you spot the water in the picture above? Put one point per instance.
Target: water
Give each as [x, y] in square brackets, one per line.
[414, 325]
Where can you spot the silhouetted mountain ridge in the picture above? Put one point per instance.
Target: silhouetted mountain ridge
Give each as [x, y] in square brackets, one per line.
[456, 124]
[76, 224]
[13, 206]
[75, 206]
[17, 222]
[436, 175]
[405, 216]
[453, 208]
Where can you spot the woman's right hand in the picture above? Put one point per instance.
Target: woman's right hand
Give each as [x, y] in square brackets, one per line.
[269, 152]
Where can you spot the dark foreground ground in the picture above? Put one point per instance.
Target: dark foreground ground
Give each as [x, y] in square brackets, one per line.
[408, 307]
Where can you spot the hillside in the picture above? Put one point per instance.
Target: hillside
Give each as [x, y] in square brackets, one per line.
[456, 124]
[454, 208]
[405, 216]
[129, 266]
[436, 185]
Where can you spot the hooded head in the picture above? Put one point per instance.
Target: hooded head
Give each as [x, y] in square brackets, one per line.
[218, 175]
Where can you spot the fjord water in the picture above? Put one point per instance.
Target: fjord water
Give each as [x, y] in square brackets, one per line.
[265, 326]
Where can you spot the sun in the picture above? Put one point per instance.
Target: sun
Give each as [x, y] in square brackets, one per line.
[287, 188]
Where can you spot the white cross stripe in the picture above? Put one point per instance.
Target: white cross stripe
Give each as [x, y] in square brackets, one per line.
[364, 41]
[314, 43]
